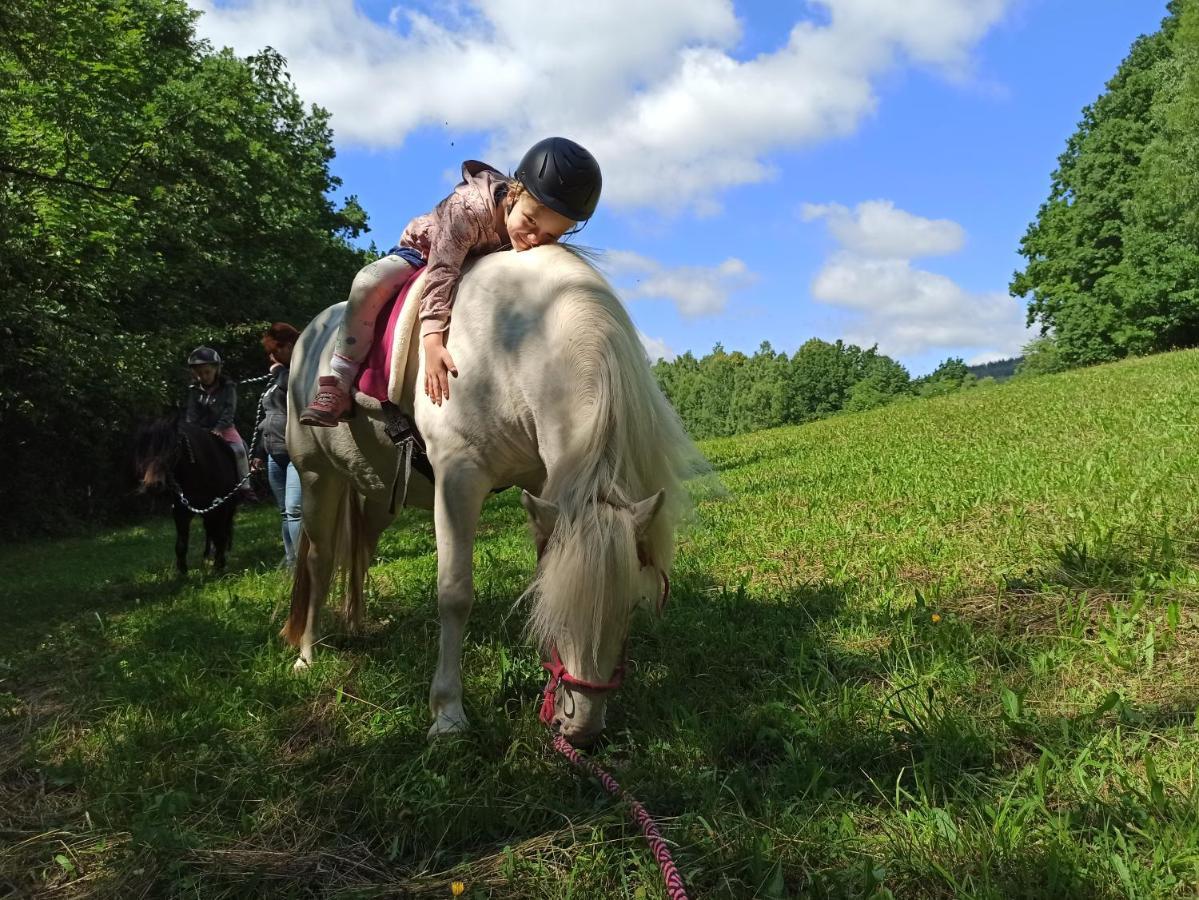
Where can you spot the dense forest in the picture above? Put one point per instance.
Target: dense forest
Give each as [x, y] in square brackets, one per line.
[726, 393]
[155, 194]
[1000, 369]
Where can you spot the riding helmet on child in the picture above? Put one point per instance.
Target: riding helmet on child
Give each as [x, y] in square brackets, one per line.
[204, 356]
[563, 176]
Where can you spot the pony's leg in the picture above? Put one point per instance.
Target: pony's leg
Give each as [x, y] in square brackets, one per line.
[323, 496]
[457, 503]
[183, 521]
[218, 526]
[374, 519]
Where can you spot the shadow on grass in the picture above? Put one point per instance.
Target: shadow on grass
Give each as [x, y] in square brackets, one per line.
[186, 733]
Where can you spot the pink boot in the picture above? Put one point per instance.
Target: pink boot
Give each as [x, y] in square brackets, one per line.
[331, 405]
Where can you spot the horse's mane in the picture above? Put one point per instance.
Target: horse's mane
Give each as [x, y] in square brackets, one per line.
[157, 441]
[630, 446]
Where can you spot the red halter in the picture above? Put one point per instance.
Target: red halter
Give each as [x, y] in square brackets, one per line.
[559, 675]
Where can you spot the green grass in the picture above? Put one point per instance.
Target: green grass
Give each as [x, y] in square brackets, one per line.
[943, 649]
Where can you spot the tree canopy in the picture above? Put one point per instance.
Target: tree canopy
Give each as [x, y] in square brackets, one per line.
[1113, 255]
[155, 194]
[726, 393]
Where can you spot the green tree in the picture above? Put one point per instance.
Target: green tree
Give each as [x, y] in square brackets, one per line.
[1078, 278]
[760, 391]
[820, 379]
[1158, 277]
[951, 375]
[730, 393]
[1041, 357]
[153, 194]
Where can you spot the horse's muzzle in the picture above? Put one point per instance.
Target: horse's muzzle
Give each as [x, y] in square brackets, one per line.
[152, 478]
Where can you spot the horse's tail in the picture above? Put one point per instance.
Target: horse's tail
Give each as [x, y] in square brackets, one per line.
[301, 585]
[351, 559]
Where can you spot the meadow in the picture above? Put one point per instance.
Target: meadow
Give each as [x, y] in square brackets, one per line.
[947, 648]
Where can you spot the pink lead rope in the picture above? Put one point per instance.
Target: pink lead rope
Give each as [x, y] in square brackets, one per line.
[670, 874]
[558, 676]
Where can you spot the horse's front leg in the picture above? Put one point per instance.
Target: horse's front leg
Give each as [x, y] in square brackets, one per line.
[183, 521]
[218, 527]
[457, 504]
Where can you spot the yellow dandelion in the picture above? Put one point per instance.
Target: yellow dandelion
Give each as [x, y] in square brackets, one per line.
[457, 888]
[936, 618]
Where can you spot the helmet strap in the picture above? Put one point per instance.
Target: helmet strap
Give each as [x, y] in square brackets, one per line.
[576, 229]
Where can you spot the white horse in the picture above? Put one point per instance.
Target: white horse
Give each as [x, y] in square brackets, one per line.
[556, 396]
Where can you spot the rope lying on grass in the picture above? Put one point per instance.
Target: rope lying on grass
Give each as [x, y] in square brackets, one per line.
[670, 875]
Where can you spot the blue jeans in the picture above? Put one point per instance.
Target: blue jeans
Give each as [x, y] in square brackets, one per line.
[285, 485]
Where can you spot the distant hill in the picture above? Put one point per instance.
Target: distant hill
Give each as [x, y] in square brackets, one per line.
[999, 370]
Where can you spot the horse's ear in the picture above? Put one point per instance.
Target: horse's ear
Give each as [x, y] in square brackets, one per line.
[542, 513]
[645, 511]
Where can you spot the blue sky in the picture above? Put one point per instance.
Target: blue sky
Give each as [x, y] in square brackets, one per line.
[773, 171]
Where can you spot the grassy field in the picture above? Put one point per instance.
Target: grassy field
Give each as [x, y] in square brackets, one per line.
[944, 649]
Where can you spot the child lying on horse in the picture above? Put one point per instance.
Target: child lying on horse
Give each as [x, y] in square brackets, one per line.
[557, 185]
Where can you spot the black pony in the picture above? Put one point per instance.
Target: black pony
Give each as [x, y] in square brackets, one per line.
[173, 455]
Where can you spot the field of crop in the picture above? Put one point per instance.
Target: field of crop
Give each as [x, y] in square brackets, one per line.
[947, 648]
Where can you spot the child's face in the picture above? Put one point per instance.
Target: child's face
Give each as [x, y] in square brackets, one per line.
[205, 374]
[530, 224]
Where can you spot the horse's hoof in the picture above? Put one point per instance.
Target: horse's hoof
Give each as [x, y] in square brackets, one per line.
[301, 665]
[447, 726]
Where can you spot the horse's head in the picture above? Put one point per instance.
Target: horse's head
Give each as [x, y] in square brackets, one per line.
[155, 452]
[595, 564]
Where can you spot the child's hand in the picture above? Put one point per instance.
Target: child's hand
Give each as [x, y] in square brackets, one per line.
[439, 365]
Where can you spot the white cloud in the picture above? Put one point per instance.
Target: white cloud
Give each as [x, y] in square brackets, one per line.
[656, 348]
[877, 229]
[695, 291]
[653, 89]
[904, 309]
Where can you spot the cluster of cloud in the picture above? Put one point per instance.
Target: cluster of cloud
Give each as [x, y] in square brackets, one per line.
[695, 291]
[656, 348]
[904, 309]
[655, 90]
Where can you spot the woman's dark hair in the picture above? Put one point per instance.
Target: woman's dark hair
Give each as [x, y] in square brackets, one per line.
[279, 335]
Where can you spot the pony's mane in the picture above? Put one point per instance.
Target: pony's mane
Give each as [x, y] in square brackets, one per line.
[155, 440]
[628, 446]
[156, 445]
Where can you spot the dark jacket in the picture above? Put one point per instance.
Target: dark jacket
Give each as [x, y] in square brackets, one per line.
[271, 438]
[212, 407]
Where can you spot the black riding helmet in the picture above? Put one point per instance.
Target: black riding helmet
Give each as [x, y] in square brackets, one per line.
[204, 356]
[563, 176]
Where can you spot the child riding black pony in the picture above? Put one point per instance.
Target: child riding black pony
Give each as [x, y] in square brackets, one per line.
[199, 469]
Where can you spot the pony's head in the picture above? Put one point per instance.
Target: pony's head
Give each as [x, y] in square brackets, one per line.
[155, 452]
[597, 561]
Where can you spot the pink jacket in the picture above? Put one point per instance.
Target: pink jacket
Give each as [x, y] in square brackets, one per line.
[469, 222]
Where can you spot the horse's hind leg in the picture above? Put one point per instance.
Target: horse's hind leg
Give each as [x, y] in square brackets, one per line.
[183, 521]
[457, 504]
[367, 524]
[323, 496]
